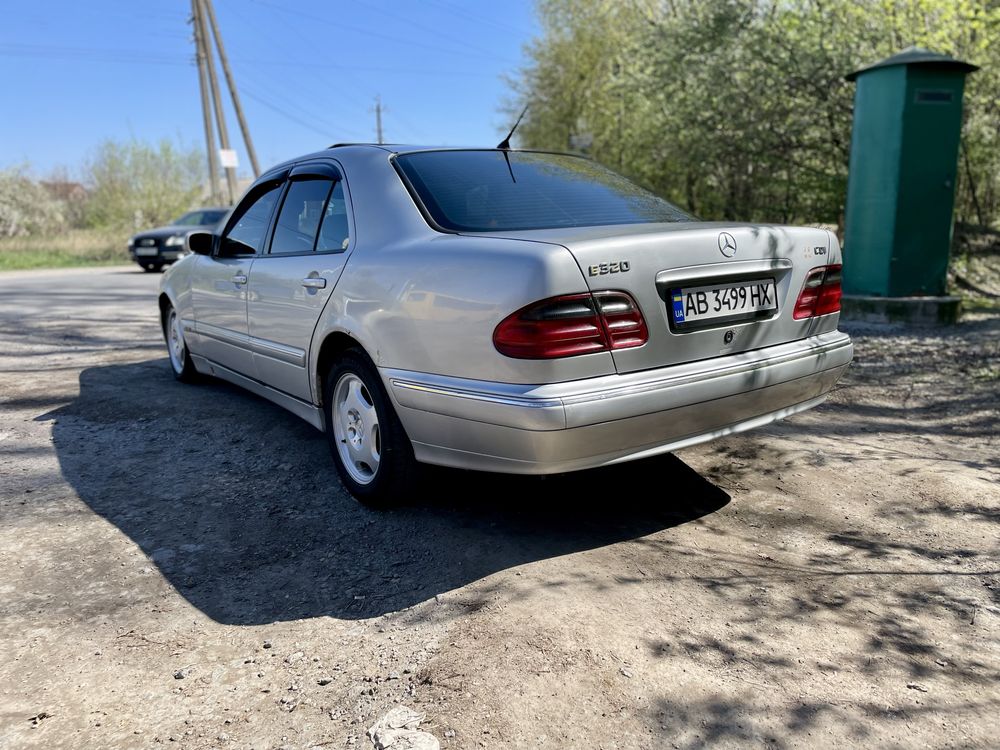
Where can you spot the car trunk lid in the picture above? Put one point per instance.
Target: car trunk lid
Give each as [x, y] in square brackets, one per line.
[663, 265]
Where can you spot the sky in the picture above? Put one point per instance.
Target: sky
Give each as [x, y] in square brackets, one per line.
[77, 73]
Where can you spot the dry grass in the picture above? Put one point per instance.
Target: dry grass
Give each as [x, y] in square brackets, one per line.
[75, 247]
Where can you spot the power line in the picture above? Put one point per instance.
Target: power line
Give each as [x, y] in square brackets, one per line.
[326, 134]
[92, 55]
[464, 12]
[141, 57]
[368, 32]
[288, 103]
[417, 25]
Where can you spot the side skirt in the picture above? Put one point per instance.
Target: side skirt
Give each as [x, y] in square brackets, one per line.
[310, 413]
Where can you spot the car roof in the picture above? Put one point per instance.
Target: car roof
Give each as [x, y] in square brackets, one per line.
[396, 148]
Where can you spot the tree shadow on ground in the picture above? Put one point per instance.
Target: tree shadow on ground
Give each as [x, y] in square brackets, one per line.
[237, 503]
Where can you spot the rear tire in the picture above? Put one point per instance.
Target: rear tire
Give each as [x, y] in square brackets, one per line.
[370, 448]
[180, 358]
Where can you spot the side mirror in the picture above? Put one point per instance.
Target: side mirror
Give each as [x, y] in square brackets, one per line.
[199, 243]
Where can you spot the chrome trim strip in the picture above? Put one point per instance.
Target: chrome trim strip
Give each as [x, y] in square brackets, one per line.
[524, 401]
[262, 347]
[749, 363]
[722, 270]
[224, 335]
[280, 352]
[707, 374]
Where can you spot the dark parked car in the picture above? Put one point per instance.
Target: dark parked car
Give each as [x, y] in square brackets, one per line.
[156, 248]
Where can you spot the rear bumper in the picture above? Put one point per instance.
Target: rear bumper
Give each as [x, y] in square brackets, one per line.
[531, 429]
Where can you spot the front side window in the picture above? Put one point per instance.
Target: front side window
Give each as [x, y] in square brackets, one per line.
[247, 235]
[300, 216]
[492, 190]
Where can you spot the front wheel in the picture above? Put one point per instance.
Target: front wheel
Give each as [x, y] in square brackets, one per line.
[372, 453]
[180, 357]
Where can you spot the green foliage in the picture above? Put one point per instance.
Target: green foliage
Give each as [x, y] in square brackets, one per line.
[135, 185]
[68, 247]
[737, 109]
[25, 206]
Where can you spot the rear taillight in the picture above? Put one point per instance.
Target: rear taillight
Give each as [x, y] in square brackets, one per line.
[820, 294]
[571, 325]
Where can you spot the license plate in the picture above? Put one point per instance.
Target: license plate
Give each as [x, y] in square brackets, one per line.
[146, 251]
[741, 299]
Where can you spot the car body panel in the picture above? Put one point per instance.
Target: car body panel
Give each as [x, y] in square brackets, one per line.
[660, 257]
[568, 426]
[219, 330]
[432, 306]
[418, 299]
[283, 314]
[423, 304]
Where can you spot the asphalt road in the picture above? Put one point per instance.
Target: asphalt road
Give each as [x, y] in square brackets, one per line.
[180, 567]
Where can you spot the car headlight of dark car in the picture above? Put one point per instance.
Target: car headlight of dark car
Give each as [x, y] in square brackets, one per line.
[176, 241]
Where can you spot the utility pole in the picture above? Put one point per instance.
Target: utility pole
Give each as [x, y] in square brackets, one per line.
[220, 117]
[232, 88]
[378, 119]
[213, 163]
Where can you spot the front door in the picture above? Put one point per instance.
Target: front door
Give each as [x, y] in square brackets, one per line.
[291, 283]
[219, 285]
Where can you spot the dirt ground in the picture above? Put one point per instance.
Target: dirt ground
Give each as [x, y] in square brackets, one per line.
[180, 568]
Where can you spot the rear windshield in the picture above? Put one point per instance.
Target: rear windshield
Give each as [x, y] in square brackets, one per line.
[477, 191]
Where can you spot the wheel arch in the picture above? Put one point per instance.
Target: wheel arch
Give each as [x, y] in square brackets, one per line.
[333, 345]
[164, 301]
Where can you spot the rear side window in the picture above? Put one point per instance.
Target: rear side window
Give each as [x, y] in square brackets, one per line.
[483, 191]
[334, 234]
[300, 216]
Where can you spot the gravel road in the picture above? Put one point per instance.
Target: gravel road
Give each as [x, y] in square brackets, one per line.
[179, 566]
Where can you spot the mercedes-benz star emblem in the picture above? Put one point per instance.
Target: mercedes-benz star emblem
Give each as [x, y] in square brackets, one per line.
[727, 244]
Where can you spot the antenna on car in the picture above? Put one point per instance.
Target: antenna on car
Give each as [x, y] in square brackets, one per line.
[505, 143]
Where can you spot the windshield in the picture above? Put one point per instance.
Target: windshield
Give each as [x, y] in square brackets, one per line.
[478, 191]
[200, 218]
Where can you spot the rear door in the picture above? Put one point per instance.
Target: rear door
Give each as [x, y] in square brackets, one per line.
[291, 283]
[219, 283]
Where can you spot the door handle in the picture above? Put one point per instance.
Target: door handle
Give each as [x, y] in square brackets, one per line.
[313, 282]
[240, 278]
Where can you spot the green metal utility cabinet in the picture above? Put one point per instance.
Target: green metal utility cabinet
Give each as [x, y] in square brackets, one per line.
[901, 184]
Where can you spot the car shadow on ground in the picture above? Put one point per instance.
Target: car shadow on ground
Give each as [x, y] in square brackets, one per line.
[238, 505]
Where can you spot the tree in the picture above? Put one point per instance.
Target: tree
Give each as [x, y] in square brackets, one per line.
[136, 183]
[738, 109]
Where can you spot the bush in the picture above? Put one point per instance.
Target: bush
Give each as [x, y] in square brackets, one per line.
[26, 208]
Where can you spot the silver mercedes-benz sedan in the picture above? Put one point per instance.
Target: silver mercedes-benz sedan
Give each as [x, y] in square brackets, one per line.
[500, 310]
